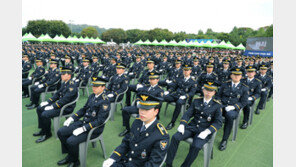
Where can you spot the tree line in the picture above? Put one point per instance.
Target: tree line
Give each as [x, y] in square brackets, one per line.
[57, 27]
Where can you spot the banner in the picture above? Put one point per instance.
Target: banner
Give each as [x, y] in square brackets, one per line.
[262, 46]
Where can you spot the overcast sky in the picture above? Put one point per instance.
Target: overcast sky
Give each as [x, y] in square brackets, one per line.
[175, 15]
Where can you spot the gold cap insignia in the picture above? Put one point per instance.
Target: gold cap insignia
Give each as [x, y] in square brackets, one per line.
[144, 97]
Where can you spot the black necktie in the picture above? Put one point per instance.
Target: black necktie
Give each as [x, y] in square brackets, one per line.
[143, 128]
[233, 87]
[205, 103]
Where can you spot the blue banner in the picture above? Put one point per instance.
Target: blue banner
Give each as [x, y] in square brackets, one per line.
[260, 53]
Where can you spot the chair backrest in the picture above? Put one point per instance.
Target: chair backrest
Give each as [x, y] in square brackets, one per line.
[116, 99]
[68, 104]
[57, 82]
[163, 160]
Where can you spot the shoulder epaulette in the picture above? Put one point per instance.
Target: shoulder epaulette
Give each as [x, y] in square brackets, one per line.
[162, 129]
[71, 82]
[104, 97]
[228, 81]
[217, 101]
[258, 79]
[214, 73]
[198, 97]
[245, 85]
[204, 72]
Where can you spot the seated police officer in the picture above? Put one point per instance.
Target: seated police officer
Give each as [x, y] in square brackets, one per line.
[180, 91]
[50, 78]
[146, 144]
[95, 68]
[270, 73]
[224, 73]
[84, 73]
[173, 75]
[266, 85]
[136, 69]
[37, 74]
[254, 85]
[234, 96]
[68, 63]
[118, 83]
[26, 66]
[153, 88]
[207, 119]
[94, 113]
[143, 80]
[110, 69]
[207, 75]
[51, 108]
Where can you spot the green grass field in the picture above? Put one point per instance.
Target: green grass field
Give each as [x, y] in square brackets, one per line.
[252, 148]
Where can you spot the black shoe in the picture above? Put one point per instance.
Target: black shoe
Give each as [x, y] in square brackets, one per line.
[38, 133]
[170, 126]
[257, 111]
[244, 126]
[27, 105]
[64, 161]
[123, 133]
[223, 145]
[74, 164]
[32, 107]
[43, 138]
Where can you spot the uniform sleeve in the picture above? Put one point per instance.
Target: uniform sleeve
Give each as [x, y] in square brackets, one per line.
[123, 87]
[243, 101]
[188, 115]
[70, 96]
[76, 116]
[55, 97]
[192, 91]
[56, 77]
[257, 92]
[217, 123]
[102, 115]
[220, 92]
[268, 83]
[27, 67]
[158, 152]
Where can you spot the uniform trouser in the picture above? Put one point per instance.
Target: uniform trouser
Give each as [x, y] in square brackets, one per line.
[35, 94]
[44, 118]
[126, 115]
[195, 147]
[270, 92]
[25, 85]
[70, 143]
[179, 102]
[230, 116]
[262, 100]
[128, 94]
[246, 110]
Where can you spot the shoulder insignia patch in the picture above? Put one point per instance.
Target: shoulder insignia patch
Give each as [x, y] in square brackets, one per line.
[71, 89]
[163, 144]
[162, 129]
[126, 81]
[89, 71]
[57, 75]
[28, 66]
[105, 106]
[217, 101]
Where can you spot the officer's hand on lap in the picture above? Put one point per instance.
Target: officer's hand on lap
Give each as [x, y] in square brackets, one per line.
[264, 89]
[182, 97]
[48, 107]
[36, 83]
[30, 78]
[40, 86]
[68, 121]
[108, 162]
[78, 131]
[204, 134]
[250, 98]
[110, 95]
[43, 103]
[166, 92]
[181, 129]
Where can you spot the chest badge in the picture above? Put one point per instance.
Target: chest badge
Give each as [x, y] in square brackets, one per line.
[144, 154]
[93, 113]
[209, 118]
[238, 96]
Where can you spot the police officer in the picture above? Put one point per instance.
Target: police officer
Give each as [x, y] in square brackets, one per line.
[146, 144]
[68, 64]
[37, 74]
[196, 69]
[234, 96]
[206, 76]
[180, 91]
[110, 69]
[51, 108]
[153, 88]
[207, 119]
[84, 73]
[224, 73]
[50, 78]
[270, 73]
[144, 79]
[95, 68]
[266, 85]
[94, 113]
[174, 73]
[118, 83]
[136, 69]
[254, 85]
[26, 66]
[163, 66]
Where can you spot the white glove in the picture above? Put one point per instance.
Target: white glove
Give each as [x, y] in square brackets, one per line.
[76, 68]
[160, 70]
[68, 121]
[181, 129]
[228, 108]
[250, 98]
[48, 107]
[78, 131]
[182, 97]
[264, 89]
[168, 81]
[166, 92]
[125, 72]
[204, 134]
[30, 78]
[36, 83]
[108, 162]
[74, 78]
[139, 86]
[43, 103]
[40, 86]
[103, 76]
[131, 73]
[77, 80]
[110, 95]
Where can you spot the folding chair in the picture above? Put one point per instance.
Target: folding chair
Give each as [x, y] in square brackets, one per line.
[235, 125]
[207, 148]
[84, 145]
[114, 104]
[43, 94]
[84, 87]
[183, 108]
[57, 120]
[252, 110]
[163, 161]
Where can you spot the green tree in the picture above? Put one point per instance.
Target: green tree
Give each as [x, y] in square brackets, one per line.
[90, 32]
[160, 34]
[200, 32]
[118, 35]
[269, 31]
[24, 31]
[135, 35]
[180, 36]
